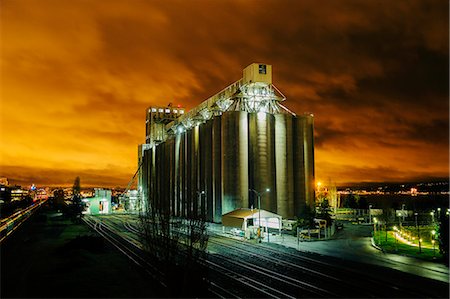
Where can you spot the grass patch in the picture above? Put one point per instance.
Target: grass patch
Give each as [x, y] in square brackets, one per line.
[393, 245]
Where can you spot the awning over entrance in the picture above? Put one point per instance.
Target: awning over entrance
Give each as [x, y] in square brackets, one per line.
[241, 217]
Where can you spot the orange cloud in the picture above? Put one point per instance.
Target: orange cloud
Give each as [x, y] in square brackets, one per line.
[78, 75]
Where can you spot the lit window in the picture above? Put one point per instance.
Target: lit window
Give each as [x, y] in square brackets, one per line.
[181, 111]
[160, 110]
[167, 110]
[153, 109]
[175, 111]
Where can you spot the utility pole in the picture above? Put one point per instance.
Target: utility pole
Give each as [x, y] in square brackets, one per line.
[200, 205]
[418, 234]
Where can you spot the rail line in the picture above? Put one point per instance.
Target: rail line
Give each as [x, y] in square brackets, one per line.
[277, 263]
[261, 288]
[123, 245]
[10, 224]
[257, 270]
[114, 237]
[378, 287]
[257, 287]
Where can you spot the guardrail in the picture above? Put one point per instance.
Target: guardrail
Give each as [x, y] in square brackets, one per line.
[10, 224]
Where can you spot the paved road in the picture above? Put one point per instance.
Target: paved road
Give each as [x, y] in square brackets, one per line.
[353, 243]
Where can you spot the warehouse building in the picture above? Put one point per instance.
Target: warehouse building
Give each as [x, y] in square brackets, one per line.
[219, 156]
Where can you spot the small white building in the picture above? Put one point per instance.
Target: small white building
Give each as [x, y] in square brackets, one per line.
[243, 218]
[101, 202]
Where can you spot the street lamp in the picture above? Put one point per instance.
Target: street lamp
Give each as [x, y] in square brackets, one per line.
[434, 248]
[199, 203]
[374, 229]
[370, 214]
[432, 217]
[418, 234]
[403, 212]
[395, 235]
[259, 209]
[433, 233]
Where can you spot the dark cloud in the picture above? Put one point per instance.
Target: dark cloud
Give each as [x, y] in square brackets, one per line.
[25, 176]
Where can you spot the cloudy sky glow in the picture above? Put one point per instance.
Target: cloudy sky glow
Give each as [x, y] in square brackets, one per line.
[76, 77]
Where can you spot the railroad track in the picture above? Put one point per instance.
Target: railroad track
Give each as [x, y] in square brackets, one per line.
[127, 246]
[243, 269]
[244, 286]
[362, 284]
[13, 222]
[278, 270]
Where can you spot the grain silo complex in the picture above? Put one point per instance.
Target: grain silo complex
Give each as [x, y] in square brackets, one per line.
[206, 161]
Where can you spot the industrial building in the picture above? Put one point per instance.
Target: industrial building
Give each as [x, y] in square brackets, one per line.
[207, 161]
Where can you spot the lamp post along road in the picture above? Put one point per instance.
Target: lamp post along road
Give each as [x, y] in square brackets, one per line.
[403, 212]
[258, 194]
[374, 229]
[200, 207]
[433, 240]
[418, 234]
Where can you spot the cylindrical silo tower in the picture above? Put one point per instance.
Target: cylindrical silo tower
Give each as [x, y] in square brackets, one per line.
[308, 131]
[261, 127]
[284, 165]
[234, 139]
[217, 168]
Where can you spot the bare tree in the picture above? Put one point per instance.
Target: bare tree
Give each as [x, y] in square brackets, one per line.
[178, 248]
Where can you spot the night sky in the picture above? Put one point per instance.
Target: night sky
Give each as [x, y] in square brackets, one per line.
[77, 76]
